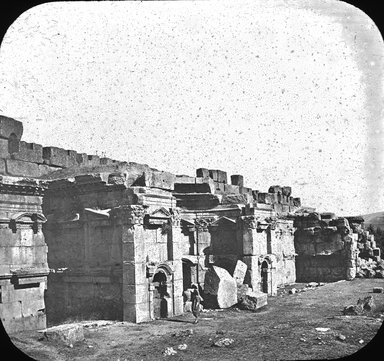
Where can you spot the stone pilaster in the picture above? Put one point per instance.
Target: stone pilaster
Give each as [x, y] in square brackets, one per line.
[249, 246]
[174, 257]
[135, 284]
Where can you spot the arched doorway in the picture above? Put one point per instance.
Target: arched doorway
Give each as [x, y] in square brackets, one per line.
[160, 295]
[264, 276]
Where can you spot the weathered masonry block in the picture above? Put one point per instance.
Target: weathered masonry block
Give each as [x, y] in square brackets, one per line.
[29, 152]
[59, 157]
[237, 180]
[218, 175]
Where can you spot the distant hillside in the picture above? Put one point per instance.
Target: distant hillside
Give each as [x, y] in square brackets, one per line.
[374, 219]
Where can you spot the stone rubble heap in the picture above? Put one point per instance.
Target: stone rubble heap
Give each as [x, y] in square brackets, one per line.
[368, 263]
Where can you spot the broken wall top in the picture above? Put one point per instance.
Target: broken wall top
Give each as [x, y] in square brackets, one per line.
[23, 159]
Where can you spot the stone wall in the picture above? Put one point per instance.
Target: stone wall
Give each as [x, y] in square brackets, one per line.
[107, 241]
[326, 249]
[23, 255]
[121, 234]
[369, 263]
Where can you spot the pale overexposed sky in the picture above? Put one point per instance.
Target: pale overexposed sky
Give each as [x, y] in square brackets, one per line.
[283, 92]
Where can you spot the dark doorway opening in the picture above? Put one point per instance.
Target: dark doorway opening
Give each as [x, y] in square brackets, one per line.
[160, 303]
[264, 276]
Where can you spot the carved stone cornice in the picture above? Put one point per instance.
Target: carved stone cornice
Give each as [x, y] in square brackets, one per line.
[202, 224]
[249, 221]
[131, 215]
[24, 186]
[272, 222]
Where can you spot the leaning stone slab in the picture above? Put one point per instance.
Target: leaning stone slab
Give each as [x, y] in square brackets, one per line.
[220, 285]
[68, 333]
[239, 272]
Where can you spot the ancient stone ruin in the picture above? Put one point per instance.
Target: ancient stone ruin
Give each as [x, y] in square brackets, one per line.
[84, 237]
[331, 248]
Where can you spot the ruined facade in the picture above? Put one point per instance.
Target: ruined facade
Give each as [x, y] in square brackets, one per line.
[331, 248]
[89, 237]
[23, 252]
[123, 240]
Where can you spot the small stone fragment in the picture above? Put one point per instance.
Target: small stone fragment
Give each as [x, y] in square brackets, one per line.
[223, 342]
[169, 351]
[322, 329]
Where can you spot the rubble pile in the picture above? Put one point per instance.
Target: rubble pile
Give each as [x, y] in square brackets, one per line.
[368, 263]
[326, 250]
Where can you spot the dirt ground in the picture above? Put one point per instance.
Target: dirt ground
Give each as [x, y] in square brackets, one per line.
[283, 330]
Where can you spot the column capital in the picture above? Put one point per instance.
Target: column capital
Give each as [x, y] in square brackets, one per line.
[203, 223]
[131, 215]
[250, 222]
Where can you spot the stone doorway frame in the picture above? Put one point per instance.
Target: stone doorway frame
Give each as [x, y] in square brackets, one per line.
[166, 303]
[267, 280]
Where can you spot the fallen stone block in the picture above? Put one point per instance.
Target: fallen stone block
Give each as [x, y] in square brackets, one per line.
[222, 342]
[351, 273]
[377, 289]
[169, 351]
[239, 272]
[380, 274]
[366, 303]
[252, 301]
[68, 333]
[352, 310]
[221, 286]
[242, 290]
